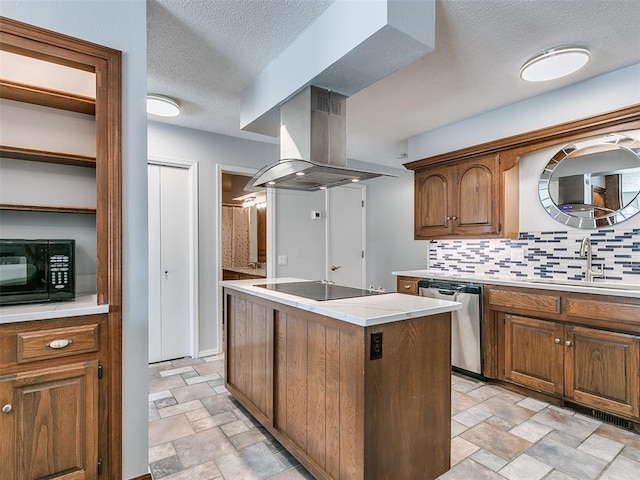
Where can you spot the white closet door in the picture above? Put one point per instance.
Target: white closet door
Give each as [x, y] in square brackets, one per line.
[345, 213]
[171, 309]
[155, 310]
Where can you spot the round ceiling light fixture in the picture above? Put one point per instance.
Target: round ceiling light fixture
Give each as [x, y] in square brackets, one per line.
[162, 106]
[554, 63]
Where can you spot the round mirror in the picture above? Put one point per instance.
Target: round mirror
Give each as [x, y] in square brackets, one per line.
[593, 182]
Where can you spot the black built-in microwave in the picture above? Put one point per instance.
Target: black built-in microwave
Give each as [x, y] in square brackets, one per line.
[33, 271]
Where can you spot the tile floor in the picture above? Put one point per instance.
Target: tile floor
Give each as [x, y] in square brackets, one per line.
[197, 431]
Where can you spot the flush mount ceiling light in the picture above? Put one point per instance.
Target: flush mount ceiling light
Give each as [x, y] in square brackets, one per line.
[554, 63]
[162, 106]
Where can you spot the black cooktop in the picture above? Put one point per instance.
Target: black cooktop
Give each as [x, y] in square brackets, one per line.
[318, 290]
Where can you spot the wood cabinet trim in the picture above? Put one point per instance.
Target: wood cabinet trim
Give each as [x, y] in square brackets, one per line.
[537, 302]
[106, 63]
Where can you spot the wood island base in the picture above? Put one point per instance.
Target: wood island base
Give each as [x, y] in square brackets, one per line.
[314, 382]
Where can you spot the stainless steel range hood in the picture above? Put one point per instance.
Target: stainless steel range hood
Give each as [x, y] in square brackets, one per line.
[313, 150]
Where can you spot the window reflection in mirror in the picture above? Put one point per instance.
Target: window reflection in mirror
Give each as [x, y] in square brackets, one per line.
[593, 182]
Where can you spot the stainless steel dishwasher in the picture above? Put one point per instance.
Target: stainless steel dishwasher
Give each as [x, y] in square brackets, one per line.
[466, 340]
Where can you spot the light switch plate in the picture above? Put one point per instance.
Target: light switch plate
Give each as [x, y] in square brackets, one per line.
[517, 254]
[283, 260]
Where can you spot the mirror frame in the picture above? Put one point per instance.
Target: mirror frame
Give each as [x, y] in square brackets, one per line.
[568, 151]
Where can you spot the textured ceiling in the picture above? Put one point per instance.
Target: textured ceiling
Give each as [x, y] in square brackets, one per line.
[205, 53]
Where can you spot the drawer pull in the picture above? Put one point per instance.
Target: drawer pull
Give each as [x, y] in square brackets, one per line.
[408, 287]
[7, 408]
[59, 343]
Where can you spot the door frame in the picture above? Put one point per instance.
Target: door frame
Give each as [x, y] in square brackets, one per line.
[271, 238]
[363, 240]
[194, 311]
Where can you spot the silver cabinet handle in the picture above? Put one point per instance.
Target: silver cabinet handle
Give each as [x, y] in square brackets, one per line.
[60, 343]
[408, 287]
[7, 408]
[568, 343]
[557, 340]
[448, 218]
[454, 217]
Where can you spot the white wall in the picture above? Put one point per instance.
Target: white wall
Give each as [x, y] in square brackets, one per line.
[123, 26]
[209, 150]
[598, 95]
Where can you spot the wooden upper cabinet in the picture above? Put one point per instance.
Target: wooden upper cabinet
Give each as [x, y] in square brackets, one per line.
[433, 202]
[461, 199]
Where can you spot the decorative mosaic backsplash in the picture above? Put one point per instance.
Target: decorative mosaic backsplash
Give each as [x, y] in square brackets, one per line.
[553, 255]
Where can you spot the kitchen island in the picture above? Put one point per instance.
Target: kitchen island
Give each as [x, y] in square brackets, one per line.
[354, 388]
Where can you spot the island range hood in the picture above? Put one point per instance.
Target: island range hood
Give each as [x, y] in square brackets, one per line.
[313, 149]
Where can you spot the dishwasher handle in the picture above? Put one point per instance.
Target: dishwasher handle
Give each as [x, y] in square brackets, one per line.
[447, 292]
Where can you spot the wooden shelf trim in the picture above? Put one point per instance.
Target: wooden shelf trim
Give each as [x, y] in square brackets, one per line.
[47, 97]
[45, 156]
[47, 208]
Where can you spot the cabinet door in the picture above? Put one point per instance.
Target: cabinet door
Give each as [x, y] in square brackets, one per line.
[51, 430]
[433, 203]
[477, 195]
[602, 370]
[534, 352]
[249, 361]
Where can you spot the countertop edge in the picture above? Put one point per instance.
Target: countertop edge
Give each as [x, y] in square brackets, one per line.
[84, 305]
[391, 307]
[513, 282]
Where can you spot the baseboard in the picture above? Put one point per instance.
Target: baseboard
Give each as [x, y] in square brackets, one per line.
[208, 353]
[146, 476]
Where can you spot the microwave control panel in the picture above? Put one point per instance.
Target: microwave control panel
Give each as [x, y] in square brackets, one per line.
[59, 270]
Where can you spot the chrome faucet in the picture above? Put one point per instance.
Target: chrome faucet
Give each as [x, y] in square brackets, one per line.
[585, 250]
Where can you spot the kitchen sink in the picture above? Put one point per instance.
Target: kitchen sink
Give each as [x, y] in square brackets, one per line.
[597, 283]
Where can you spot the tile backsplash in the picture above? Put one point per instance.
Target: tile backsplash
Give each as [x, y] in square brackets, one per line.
[553, 255]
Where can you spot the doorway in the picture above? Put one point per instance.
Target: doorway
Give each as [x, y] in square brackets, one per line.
[346, 235]
[172, 197]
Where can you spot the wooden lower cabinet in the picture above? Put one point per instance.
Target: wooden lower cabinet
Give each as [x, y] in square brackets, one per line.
[596, 368]
[51, 430]
[52, 398]
[310, 381]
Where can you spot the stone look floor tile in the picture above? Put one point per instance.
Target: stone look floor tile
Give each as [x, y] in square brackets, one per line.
[208, 435]
[489, 460]
[622, 468]
[461, 449]
[179, 408]
[469, 469]
[497, 441]
[205, 471]
[161, 451]
[175, 371]
[202, 447]
[563, 422]
[192, 392]
[525, 468]
[532, 404]
[256, 462]
[169, 429]
[601, 447]
[566, 459]
[531, 430]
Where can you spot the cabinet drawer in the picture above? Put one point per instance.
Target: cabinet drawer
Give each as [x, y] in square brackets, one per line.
[525, 301]
[56, 342]
[600, 310]
[408, 285]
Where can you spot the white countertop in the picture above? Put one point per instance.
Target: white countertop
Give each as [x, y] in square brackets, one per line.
[612, 287]
[81, 305]
[362, 311]
[259, 272]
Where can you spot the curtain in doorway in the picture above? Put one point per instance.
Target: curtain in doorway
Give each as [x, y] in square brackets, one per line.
[235, 237]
